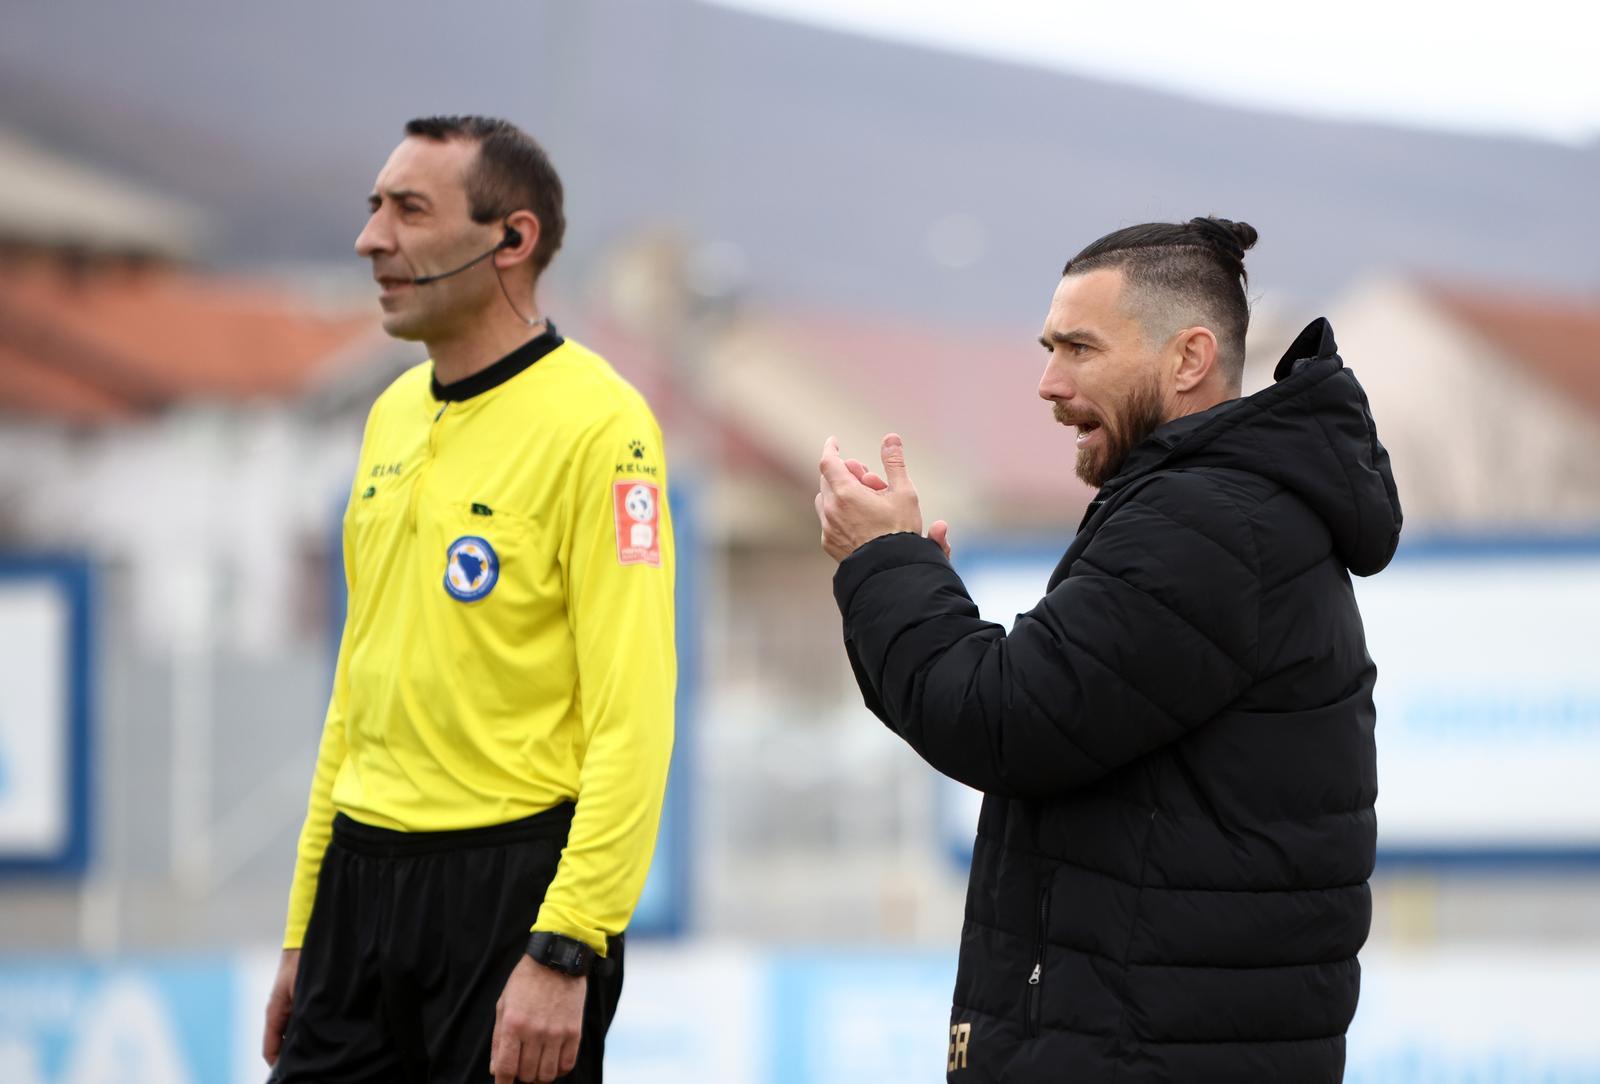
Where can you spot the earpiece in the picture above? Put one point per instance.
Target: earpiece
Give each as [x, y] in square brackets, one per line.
[512, 239]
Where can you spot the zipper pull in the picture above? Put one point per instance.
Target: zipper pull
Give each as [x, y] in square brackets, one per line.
[1033, 979]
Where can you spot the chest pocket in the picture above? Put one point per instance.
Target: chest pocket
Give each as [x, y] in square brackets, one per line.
[484, 556]
[494, 613]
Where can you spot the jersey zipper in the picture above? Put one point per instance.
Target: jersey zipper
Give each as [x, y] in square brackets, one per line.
[427, 462]
[1036, 976]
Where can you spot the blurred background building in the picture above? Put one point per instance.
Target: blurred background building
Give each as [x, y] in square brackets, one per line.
[778, 232]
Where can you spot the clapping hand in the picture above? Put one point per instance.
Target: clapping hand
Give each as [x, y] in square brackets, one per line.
[855, 505]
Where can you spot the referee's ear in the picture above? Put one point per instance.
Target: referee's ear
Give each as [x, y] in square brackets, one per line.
[519, 241]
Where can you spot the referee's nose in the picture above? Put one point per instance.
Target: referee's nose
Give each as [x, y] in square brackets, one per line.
[376, 237]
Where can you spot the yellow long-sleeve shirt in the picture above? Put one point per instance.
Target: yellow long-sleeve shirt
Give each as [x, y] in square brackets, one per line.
[509, 639]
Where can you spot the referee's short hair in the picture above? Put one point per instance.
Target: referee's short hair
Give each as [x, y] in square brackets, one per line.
[512, 173]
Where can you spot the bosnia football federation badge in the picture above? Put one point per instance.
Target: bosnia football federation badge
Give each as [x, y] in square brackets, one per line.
[638, 506]
[471, 568]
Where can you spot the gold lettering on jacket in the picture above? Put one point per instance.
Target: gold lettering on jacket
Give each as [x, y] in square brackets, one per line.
[960, 1035]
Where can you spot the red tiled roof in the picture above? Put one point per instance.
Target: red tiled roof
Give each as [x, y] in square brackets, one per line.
[1556, 337]
[31, 388]
[114, 344]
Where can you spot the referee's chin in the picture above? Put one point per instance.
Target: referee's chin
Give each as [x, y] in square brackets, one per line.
[403, 325]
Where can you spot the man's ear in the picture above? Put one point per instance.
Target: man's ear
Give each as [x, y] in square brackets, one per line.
[1196, 356]
[522, 230]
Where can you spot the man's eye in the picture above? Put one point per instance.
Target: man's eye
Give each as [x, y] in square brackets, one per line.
[1078, 349]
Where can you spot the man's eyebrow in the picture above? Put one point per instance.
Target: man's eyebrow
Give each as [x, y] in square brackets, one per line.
[396, 195]
[1076, 335]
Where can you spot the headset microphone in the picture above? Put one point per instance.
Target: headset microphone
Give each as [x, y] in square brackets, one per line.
[511, 240]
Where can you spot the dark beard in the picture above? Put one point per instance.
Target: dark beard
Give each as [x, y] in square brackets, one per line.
[1140, 417]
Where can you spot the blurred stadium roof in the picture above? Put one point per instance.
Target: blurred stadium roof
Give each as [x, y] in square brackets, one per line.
[53, 201]
[1556, 336]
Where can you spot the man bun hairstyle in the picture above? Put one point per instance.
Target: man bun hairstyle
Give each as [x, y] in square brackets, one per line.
[1183, 274]
[511, 173]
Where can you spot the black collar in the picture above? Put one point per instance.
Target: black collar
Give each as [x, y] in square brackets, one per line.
[502, 370]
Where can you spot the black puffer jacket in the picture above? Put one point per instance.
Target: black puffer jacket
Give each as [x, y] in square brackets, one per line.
[1176, 747]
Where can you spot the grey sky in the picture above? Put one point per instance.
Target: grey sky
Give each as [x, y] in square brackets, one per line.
[1526, 68]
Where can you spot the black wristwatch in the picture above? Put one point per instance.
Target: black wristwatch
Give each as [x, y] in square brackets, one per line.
[564, 954]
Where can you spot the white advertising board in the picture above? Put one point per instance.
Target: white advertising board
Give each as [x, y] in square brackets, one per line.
[1488, 694]
[1488, 700]
[33, 710]
[43, 720]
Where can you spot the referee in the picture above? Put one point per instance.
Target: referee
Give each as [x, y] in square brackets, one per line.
[492, 766]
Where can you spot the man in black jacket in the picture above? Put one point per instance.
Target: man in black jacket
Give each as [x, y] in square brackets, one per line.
[1169, 881]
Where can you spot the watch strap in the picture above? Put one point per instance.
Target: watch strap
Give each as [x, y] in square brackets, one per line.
[567, 955]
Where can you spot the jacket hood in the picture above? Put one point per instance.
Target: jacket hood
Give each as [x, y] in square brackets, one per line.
[1311, 432]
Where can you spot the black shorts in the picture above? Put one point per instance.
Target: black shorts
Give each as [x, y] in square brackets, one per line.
[411, 940]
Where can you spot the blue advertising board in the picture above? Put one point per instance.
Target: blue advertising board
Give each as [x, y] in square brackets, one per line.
[166, 1021]
[1509, 1013]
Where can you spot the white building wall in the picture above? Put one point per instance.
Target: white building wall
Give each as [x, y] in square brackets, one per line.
[212, 512]
[1479, 441]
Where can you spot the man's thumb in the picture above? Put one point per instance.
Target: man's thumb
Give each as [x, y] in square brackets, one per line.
[894, 461]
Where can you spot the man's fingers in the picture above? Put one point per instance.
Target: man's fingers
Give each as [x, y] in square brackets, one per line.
[865, 476]
[269, 1041]
[837, 471]
[940, 533]
[504, 1072]
[549, 1066]
[569, 1055]
[504, 1054]
[277, 1020]
[894, 462]
[834, 472]
[272, 1040]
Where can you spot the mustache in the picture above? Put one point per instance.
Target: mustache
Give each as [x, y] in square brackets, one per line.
[1066, 416]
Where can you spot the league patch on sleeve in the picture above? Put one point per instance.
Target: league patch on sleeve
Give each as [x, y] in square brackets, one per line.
[638, 508]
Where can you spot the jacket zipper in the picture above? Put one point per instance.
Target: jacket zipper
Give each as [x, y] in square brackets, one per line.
[1036, 977]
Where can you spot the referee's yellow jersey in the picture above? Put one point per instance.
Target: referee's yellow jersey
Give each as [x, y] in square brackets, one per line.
[509, 640]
